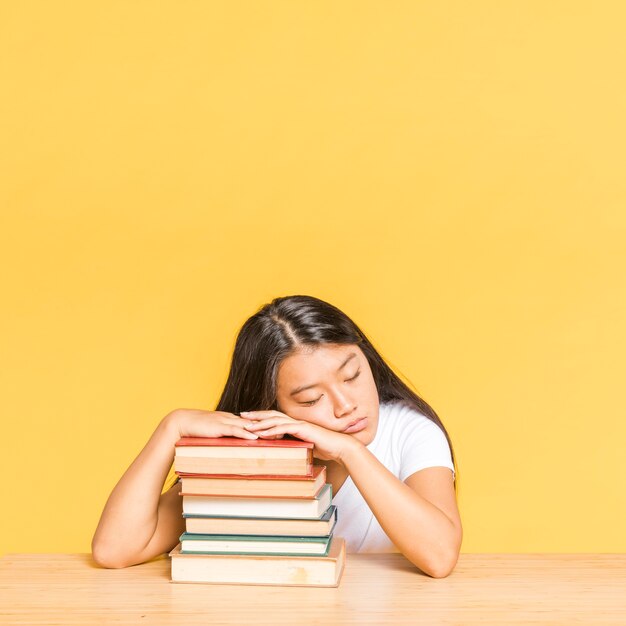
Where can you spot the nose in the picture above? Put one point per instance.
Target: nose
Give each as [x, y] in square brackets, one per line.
[344, 406]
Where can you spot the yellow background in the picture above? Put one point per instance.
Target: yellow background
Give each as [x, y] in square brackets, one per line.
[449, 174]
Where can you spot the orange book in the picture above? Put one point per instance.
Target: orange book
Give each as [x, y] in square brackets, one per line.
[254, 486]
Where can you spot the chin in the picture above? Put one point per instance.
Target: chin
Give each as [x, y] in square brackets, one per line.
[364, 437]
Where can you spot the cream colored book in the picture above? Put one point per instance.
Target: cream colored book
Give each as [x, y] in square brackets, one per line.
[240, 569]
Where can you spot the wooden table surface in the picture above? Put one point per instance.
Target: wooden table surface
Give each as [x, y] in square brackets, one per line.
[375, 589]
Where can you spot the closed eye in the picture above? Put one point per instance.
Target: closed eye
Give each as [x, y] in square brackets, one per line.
[312, 402]
[355, 376]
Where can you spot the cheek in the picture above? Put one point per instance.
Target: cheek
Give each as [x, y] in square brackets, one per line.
[370, 395]
[368, 386]
[293, 410]
[314, 415]
[319, 414]
[372, 383]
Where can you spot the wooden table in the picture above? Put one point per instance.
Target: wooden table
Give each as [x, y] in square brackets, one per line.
[375, 589]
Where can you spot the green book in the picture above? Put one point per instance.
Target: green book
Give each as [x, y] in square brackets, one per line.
[191, 543]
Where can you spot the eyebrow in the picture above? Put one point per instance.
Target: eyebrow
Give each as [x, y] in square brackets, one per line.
[297, 390]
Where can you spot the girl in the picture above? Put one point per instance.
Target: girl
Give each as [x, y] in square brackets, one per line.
[301, 367]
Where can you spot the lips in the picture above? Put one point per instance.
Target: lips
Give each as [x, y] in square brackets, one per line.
[356, 425]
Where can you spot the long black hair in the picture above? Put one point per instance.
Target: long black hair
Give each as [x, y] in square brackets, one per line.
[279, 328]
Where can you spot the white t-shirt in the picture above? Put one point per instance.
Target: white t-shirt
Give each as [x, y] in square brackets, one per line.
[405, 442]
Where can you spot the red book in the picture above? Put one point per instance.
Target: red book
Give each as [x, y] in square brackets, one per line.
[222, 442]
[232, 455]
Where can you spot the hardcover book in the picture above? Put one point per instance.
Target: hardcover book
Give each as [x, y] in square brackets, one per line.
[232, 455]
[254, 486]
[248, 569]
[262, 526]
[226, 506]
[252, 544]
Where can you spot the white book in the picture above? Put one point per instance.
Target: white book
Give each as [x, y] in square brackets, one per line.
[320, 527]
[292, 508]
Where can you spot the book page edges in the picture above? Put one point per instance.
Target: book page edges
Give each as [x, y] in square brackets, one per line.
[295, 575]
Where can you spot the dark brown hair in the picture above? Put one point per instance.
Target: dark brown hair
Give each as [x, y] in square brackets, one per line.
[286, 324]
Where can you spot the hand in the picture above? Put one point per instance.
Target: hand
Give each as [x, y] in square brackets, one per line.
[198, 423]
[329, 445]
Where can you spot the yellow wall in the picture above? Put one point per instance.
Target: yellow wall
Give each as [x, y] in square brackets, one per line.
[450, 174]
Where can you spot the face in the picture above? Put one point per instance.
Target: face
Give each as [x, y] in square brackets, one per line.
[331, 386]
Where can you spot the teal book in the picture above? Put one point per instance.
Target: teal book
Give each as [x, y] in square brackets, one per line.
[253, 544]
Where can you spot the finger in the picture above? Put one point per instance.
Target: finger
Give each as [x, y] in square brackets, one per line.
[262, 425]
[250, 417]
[260, 415]
[242, 433]
[280, 429]
[276, 419]
[234, 421]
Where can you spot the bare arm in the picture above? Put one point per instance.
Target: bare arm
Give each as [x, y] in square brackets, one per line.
[138, 522]
[420, 515]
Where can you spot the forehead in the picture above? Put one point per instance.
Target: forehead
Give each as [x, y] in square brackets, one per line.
[309, 360]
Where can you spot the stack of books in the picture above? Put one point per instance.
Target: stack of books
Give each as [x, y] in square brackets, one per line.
[256, 512]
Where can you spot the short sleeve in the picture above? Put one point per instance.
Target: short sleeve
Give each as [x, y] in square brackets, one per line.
[423, 444]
